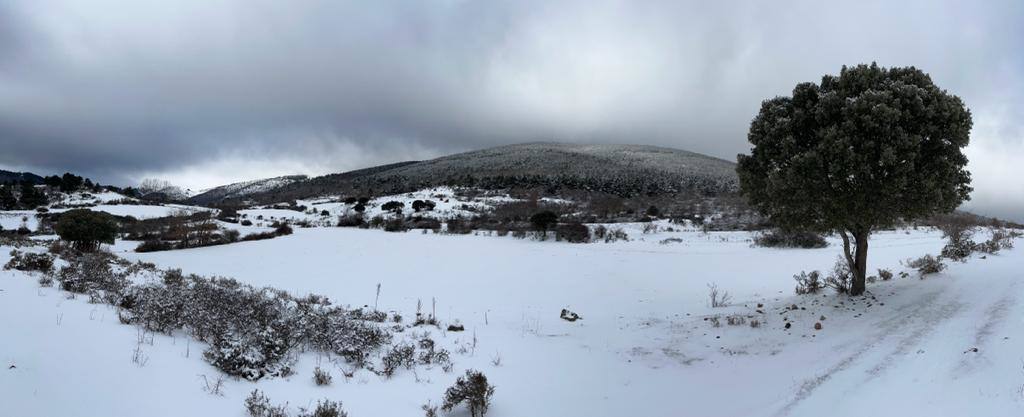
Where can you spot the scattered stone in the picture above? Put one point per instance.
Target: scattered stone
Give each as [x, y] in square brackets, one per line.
[973, 349]
[822, 318]
[11, 367]
[817, 326]
[760, 305]
[569, 316]
[788, 325]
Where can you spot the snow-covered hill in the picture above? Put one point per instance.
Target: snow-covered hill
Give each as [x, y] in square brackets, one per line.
[242, 189]
[626, 170]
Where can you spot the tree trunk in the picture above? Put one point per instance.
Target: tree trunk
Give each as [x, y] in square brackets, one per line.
[858, 285]
[857, 259]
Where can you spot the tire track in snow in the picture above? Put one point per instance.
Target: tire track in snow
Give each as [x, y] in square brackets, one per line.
[995, 315]
[923, 314]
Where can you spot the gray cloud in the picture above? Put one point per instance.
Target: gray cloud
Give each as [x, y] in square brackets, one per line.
[122, 89]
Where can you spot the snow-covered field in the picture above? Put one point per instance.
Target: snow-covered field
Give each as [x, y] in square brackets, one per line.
[645, 346]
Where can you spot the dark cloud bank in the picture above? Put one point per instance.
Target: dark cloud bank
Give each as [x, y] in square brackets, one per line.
[205, 92]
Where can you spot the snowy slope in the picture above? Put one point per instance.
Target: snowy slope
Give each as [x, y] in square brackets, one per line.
[243, 189]
[643, 347]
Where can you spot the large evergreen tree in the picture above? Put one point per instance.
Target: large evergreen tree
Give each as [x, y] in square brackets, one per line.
[860, 151]
[86, 229]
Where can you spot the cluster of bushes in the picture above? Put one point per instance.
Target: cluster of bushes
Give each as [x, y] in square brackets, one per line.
[206, 234]
[777, 238]
[30, 261]
[258, 405]
[252, 332]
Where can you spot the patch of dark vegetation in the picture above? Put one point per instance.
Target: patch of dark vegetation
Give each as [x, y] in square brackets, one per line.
[777, 238]
[29, 261]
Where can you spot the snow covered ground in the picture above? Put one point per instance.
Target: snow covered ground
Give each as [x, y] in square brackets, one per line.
[646, 344]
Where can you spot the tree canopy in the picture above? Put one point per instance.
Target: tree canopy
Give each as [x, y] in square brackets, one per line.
[86, 229]
[861, 150]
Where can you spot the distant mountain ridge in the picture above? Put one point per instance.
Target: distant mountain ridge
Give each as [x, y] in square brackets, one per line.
[624, 170]
[9, 177]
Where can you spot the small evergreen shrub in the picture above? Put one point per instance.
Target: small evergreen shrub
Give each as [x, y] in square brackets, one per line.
[473, 390]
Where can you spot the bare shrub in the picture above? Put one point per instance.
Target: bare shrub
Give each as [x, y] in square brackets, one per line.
[808, 283]
[735, 320]
[325, 408]
[885, 274]
[717, 297]
[841, 278]
[471, 389]
[258, 405]
[321, 377]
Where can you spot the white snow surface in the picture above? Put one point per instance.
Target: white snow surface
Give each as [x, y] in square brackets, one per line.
[643, 347]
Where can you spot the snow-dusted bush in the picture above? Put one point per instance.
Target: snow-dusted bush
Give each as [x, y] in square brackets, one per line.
[926, 265]
[91, 273]
[258, 405]
[471, 389]
[777, 238]
[808, 283]
[401, 355]
[616, 234]
[29, 261]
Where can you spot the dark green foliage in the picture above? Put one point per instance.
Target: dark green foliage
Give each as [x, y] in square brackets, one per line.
[544, 220]
[471, 389]
[70, 182]
[783, 239]
[7, 199]
[31, 197]
[862, 150]
[572, 233]
[419, 205]
[86, 229]
[395, 206]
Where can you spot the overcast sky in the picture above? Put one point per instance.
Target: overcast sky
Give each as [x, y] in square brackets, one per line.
[204, 92]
